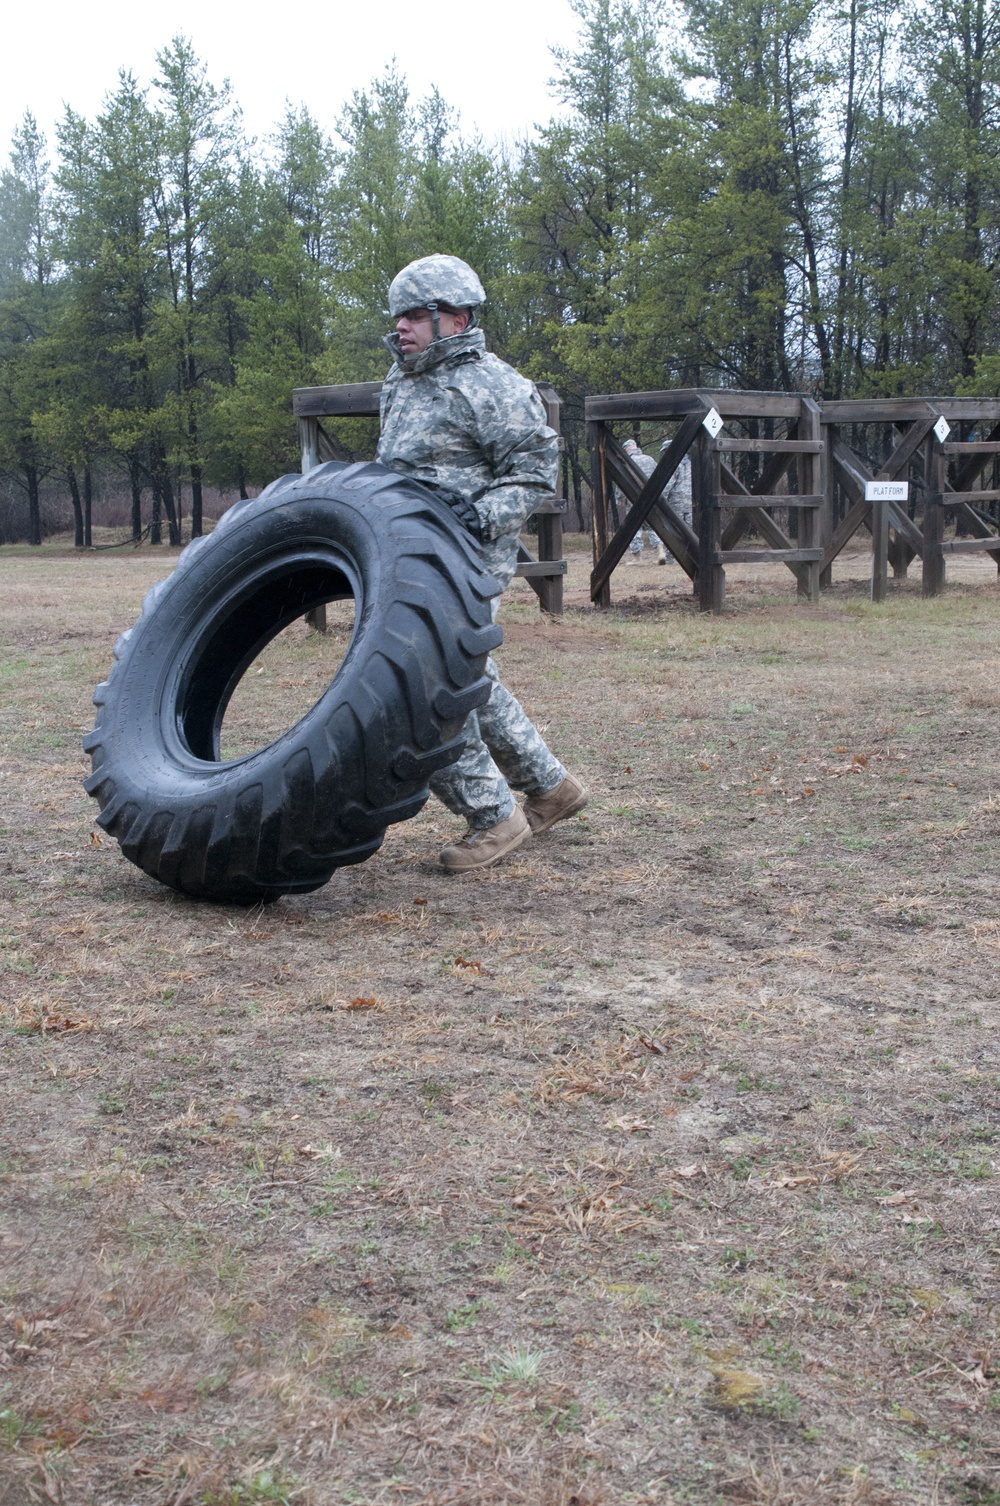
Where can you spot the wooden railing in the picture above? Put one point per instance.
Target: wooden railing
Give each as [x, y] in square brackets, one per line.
[933, 452]
[311, 405]
[754, 453]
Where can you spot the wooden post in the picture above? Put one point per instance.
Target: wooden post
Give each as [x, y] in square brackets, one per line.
[599, 490]
[880, 550]
[550, 547]
[811, 482]
[899, 552]
[826, 516]
[934, 568]
[550, 525]
[309, 445]
[706, 477]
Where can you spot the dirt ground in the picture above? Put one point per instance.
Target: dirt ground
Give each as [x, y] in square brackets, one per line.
[657, 1164]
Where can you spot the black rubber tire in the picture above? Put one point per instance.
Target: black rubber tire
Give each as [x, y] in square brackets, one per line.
[281, 820]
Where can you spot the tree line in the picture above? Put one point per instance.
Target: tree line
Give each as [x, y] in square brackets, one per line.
[773, 194]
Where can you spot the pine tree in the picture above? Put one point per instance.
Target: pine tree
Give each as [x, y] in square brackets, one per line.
[199, 133]
[26, 315]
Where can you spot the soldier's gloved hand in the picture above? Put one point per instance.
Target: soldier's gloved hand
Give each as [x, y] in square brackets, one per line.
[466, 515]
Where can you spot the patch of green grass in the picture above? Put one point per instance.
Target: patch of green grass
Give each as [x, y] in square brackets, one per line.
[974, 1167]
[15, 1429]
[111, 1103]
[275, 1486]
[463, 1317]
[517, 1366]
[752, 1082]
[781, 1403]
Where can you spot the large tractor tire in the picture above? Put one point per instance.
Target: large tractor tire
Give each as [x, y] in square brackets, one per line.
[282, 819]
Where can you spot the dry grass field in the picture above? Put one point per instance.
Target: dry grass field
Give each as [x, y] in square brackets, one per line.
[656, 1165]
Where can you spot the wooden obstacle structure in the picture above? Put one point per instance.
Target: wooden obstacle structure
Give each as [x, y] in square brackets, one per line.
[311, 405]
[899, 467]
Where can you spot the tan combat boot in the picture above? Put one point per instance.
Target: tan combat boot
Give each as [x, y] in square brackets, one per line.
[480, 849]
[565, 800]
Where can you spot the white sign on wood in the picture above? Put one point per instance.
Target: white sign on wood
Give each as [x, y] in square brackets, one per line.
[942, 429]
[713, 421]
[887, 491]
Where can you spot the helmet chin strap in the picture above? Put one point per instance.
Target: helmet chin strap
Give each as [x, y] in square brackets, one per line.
[434, 307]
[435, 319]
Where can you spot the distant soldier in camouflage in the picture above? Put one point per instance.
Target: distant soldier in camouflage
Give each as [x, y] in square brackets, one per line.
[466, 424]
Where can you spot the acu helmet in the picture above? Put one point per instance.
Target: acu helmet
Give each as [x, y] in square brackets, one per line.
[435, 282]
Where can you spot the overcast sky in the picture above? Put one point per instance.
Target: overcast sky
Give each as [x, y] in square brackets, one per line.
[492, 62]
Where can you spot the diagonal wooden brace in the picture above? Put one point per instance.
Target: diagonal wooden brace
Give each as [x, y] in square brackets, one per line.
[670, 528]
[643, 505]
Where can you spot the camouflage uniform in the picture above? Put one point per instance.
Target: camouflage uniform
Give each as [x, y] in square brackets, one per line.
[468, 425]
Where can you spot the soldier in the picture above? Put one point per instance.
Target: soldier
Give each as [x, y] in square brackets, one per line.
[469, 426]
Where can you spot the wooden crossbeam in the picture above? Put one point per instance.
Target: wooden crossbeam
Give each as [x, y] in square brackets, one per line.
[883, 410]
[766, 556]
[607, 408]
[786, 499]
[971, 546]
[530, 569]
[641, 507]
[787, 447]
[347, 400]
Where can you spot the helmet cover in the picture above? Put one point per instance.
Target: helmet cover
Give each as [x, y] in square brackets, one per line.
[433, 280]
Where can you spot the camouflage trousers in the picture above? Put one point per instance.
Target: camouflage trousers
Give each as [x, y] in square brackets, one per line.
[503, 751]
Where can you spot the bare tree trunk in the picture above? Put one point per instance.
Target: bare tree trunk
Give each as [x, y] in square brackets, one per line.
[162, 483]
[133, 476]
[74, 491]
[88, 508]
[195, 470]
[173, 527]
[34, 506]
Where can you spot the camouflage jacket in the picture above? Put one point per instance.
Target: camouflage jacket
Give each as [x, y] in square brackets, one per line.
[467, 424]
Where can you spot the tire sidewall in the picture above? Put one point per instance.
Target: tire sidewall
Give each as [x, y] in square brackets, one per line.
[164, 648]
